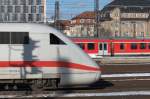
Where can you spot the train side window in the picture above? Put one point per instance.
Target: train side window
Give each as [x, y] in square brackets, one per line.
[54, 40]
[91, 46]
[133, 46]
[19, 38]
[142, 45]
[122, 46]
[149, 45]
[4, 37]
[81, 45]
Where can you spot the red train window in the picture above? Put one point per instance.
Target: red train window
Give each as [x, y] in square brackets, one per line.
[142, 45]
[122, 46]
[91, 46]
[134, 46]
[149, 45]
[81, 45]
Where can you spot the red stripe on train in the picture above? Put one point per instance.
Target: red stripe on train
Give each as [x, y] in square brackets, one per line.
[47, 64]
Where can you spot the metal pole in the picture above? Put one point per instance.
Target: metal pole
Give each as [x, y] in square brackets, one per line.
[57, 10]
[57, 14]
[96, 10]
[134, 29]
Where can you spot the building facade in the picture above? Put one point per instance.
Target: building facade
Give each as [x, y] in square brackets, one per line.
[83, 25]
[126, 18]
[33, 11]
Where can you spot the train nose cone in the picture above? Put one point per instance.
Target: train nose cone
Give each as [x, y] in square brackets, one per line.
[98, 76]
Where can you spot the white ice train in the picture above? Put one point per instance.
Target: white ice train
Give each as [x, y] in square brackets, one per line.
[43, 57]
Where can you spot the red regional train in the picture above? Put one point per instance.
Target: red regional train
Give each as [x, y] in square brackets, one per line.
[97, 48]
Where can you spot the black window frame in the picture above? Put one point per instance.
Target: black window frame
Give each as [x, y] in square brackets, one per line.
[148, 45]
[122, 46]
[4, 37]
[58, 42]
[105, 46]
[91, 46]
[14, 39]
[81, 45]
[20, 38]
[142, 45]
[134, 46]
[101, 46]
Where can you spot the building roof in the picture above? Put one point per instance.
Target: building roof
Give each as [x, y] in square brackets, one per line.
[85, 15]
[64, 22]
[125, 6]
[133, 3]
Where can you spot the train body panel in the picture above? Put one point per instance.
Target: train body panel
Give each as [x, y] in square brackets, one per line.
[34, 51]
[97, 48]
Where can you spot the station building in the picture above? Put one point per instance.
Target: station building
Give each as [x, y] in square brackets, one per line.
[26, 11]
[126, 18]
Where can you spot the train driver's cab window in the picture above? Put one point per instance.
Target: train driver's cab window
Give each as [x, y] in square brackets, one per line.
[133, 46]
[54, 40]
[143, 46]
[81, 45]
[91, 46]
[122, 46]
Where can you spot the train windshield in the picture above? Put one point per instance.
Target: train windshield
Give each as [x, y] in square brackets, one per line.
[54, 40]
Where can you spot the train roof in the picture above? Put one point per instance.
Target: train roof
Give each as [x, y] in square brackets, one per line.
[110, 39]
[26, 27]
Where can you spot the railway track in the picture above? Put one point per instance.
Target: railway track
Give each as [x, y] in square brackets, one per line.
[130, 80]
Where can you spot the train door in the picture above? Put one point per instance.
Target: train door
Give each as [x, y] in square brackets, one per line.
[103, 49]
[18, 44]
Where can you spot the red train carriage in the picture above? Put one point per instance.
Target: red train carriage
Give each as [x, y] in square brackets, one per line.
[97, 48]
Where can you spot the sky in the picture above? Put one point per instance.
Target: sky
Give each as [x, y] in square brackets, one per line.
[71, 8]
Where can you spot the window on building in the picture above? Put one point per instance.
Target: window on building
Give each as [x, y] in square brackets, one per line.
[4, 37]
[33, 9]
[38, 17]
[17, 9]
[142, 45]
[1, 2]
[31, 2]
[15, 2]
[122, 46]
[82, 20]
[41, 9]
[91, 46]
[133, 45]
[14, 17]
[54, 40]
[38, 2]
[19, 38]
[1, 17]
[9, 9]
[30, 17]
[23, 17]
[22, 2]
[7, 17]
[25, 9]
[5, 2]
[2, 9]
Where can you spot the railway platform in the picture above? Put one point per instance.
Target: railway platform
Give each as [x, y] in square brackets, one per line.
[124, 60]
